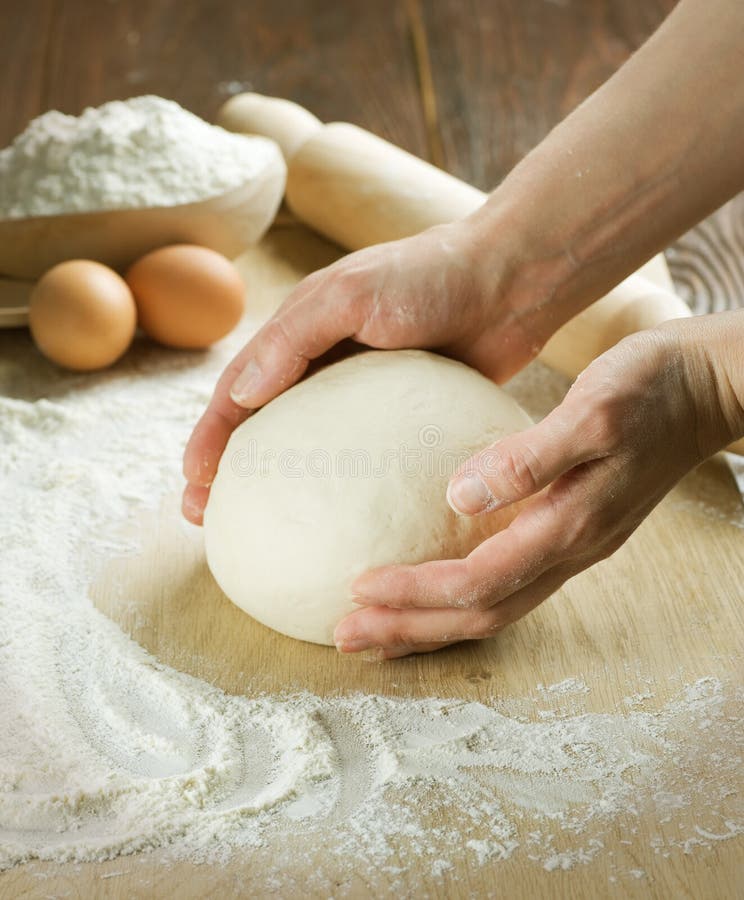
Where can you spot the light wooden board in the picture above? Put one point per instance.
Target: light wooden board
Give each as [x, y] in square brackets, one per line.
[666, 608]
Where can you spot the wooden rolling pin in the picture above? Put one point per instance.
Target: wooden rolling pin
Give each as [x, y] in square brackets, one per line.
[358, 189]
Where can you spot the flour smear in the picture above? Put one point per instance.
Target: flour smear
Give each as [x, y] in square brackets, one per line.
[104, 751]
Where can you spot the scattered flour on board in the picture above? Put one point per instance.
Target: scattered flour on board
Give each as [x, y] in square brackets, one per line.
[105, 751]
[567, 686]
[145, 151]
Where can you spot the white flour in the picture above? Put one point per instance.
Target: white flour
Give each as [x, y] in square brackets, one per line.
[104, 751]
[146, 151]
[567, 686]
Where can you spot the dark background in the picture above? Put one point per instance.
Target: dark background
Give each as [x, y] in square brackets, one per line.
[470, 85]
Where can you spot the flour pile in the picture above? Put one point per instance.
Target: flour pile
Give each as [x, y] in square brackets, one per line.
[104, 751]
[146, 151]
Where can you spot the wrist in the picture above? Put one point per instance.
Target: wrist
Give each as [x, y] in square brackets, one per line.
[725, 352]
[521, 271]
[559, 240]
[710, 348]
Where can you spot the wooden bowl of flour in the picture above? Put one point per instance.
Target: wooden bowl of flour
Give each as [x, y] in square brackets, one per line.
[227, 223]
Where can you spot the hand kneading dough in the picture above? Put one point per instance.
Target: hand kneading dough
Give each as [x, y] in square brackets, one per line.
[346, 471]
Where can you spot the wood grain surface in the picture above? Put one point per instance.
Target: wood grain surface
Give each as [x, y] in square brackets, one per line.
[505, 73]
[349, 61]
[707, 264]
[664, 611]
[472, 86]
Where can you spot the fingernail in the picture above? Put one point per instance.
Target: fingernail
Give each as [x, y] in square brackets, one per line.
[244, 386]
[363, 587]
[469, 494]
[191, 508]
[353, 646]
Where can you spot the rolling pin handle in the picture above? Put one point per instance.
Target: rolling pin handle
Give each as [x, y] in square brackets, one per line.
[285, 122]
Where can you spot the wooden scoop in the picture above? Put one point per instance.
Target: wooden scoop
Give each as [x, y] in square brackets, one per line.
[14, 298]
[227, 223]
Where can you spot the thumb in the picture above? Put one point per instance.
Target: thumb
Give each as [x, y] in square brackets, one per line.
[518, 465]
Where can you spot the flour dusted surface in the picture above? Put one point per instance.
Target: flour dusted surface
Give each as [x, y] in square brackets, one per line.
[105, 751]
[145, 151]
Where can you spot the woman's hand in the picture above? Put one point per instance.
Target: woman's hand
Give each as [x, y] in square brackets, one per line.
[441, 289]
[635, 421]
[626, 172]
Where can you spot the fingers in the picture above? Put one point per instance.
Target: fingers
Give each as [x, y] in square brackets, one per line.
[301, 331]
[511, 559]
[399, 652]
[193, 503]
[445, 582]
[392, 633]
[555, 535]
[306, 325]
[213, 430]
[521, 464]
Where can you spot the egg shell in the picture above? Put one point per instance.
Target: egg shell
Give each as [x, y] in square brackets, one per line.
[82, 315]
[187, 296]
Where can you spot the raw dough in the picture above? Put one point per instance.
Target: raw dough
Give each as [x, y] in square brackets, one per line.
[345, 471]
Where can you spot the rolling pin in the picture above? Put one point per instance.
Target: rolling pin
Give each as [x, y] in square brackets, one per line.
[358, 189]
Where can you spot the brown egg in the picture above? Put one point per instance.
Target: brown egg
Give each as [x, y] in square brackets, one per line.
[187, 296]
[82, 315]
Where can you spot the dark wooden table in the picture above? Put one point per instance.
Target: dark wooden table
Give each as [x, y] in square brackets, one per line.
[471, 85]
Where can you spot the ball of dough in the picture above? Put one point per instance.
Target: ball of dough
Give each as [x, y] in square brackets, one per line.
[346, 471]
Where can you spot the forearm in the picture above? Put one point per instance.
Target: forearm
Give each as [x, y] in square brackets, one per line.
[652, 152]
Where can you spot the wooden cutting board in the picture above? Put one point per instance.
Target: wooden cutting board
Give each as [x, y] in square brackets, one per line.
[665, 609]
